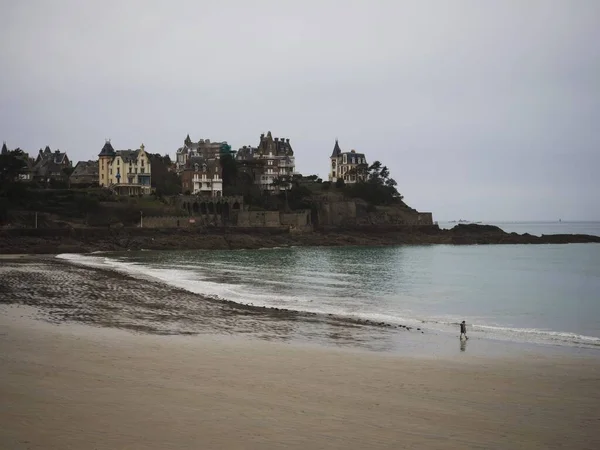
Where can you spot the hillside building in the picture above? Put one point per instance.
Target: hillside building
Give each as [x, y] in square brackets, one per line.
[50, 166]
[126, 172]
[203, 148]
[348, 166]
[272, 159]
[85, 174]
[202, 177]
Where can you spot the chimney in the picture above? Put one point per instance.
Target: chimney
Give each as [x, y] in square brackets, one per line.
[276, 139]
[287, 140]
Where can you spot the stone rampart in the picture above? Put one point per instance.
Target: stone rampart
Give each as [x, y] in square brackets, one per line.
[170, 222]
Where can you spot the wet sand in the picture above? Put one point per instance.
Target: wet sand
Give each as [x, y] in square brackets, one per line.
[73, 386]
[68, 293]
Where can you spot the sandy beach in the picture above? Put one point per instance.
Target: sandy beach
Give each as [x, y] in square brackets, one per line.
[94, 359]
[74, 386]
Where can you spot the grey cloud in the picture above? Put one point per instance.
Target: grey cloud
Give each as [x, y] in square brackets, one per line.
[485, 110]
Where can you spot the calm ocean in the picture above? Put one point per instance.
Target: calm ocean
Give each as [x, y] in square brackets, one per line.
[526, 293]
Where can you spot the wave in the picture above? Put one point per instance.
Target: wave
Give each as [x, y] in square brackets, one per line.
[213, 285]
[561, 336]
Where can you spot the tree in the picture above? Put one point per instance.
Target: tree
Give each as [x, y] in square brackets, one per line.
[376, 187]
[360, 172]
[229, 169]
[12, 164]
[164, 180]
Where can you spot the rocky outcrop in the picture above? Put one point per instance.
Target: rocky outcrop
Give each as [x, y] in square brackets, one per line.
[108, 239]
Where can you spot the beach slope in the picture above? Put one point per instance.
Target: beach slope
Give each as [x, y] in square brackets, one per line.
[80, 387]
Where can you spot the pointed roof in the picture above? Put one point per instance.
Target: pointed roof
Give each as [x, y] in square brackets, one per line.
[187, 140]
[337, 151]
[4, 148]
[107, 150]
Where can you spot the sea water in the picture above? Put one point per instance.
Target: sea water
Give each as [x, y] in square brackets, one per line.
[546, 294]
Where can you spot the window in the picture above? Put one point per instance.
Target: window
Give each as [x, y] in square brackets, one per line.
[142, 170]
[270, 162]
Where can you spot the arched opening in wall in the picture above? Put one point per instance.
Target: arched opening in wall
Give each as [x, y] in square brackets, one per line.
[184, 206]
[226, 211]
[202, 208]
[219, 208]
[195, 207]
[211, 208]
[308, 219]
[236, 206]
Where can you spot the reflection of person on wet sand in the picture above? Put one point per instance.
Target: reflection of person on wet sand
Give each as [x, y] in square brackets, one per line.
[463, 331]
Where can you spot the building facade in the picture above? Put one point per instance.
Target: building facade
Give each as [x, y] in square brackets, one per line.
[203, 148]
[85, 174]
[202, 177]
[272, 159]
[127, 172]
[348, 166]
[50, 166]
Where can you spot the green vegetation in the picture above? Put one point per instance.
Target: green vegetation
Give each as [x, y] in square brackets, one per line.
[12, 164]
[377, 188]
[164, 181]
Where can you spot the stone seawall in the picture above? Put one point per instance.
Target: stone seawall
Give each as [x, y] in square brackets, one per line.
[353, 213]
[297, 220]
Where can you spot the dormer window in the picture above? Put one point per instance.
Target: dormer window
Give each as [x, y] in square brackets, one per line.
[196, 167]
[204, 167]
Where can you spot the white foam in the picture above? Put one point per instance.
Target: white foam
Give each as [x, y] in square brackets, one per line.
[190, 278]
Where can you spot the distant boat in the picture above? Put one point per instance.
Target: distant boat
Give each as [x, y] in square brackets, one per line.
[560, 220]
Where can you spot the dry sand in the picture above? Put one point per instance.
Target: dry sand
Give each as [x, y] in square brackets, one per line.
[81, 387]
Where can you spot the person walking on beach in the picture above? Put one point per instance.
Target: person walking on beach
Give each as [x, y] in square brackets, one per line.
[463, 330]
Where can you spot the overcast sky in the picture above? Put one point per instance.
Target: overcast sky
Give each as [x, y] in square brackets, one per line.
[483, 110]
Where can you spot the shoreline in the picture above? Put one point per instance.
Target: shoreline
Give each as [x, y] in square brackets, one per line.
[67, 386]
[88, 240]
[70, 292]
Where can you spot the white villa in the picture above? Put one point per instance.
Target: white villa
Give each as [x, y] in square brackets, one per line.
[127, 172]
[346, 165]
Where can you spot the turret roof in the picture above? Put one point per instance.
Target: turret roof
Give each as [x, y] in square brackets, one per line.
[107, 150]
[337, 151]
